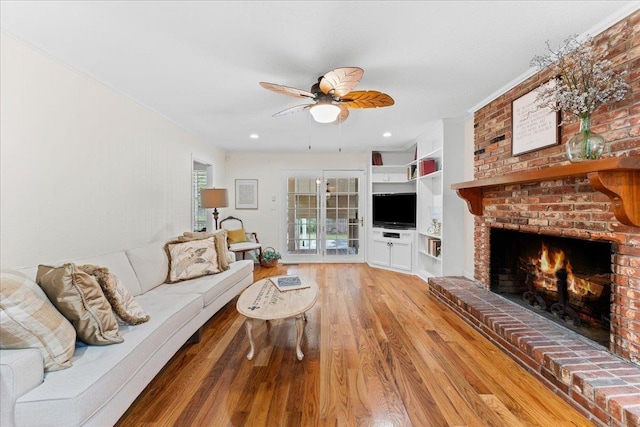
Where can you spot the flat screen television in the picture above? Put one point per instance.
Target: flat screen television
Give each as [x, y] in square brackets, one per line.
[394, 210]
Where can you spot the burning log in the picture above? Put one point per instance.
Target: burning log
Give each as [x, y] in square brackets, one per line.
[531, 296]
[561, 309]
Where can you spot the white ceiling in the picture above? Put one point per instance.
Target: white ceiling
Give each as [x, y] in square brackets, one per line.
[199, 62]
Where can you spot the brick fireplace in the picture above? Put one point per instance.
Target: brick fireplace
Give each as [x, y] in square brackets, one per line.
[601, 381]
[571, 206]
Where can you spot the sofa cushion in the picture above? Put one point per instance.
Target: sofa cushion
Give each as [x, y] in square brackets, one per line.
[118, 264]
[150, 263]
[210, 287]
[29, 320]
[80, 299]
[125, 307]
[99, 374]
[191, 259]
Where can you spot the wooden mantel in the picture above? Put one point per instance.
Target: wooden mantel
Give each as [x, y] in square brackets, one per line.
[617, 177]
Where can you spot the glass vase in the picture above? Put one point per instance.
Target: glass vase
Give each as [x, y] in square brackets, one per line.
[586, 144]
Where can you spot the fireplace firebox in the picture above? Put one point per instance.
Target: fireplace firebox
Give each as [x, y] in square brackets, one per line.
[565, 279]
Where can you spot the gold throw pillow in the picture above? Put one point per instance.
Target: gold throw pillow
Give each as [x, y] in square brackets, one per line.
[80, 299]
[237, 236]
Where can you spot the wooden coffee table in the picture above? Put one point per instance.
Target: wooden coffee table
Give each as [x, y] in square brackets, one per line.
[262, 300]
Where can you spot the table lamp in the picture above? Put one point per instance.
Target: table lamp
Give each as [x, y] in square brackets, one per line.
[214, 198]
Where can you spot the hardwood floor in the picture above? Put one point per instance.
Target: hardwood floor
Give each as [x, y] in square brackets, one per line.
[379, 351]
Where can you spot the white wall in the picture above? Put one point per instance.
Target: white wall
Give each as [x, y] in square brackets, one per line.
[85, 170]
[267, 168]
[468, 217]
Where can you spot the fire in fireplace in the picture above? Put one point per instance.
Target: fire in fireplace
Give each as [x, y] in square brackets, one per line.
[565, 279]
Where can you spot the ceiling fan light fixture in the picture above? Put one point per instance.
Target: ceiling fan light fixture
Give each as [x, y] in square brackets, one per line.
[325, 113]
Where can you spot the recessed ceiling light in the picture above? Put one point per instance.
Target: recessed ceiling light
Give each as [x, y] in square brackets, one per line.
[386, 134]
[254, 136]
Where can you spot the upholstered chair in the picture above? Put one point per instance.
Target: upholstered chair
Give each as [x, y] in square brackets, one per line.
[238, 239]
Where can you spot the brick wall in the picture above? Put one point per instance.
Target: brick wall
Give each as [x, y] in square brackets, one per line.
[568, 207]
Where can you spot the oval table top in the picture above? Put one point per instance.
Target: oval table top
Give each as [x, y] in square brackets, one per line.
[262, 300]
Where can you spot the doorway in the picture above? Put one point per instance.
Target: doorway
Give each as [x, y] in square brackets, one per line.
[201, 177]
[323, 216]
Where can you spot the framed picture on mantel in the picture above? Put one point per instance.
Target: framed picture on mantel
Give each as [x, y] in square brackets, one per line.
[533, 127]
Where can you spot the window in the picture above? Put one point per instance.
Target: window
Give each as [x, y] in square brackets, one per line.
[199, 221]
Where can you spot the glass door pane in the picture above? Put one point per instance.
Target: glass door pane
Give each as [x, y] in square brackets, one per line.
[302, 216]
[343, 221]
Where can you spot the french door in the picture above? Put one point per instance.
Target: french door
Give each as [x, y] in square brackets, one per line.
[323, 216]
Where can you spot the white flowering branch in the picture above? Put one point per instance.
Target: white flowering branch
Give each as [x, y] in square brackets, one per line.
[586, 81]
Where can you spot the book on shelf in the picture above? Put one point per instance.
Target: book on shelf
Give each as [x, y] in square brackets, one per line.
[412, 172]
[427, 166]
[434, 247]
[376, 159]
[288, 283]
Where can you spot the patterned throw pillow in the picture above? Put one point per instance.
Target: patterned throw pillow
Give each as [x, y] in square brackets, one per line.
[191, 259]
[29, 320]
[80, 299]
[126, 308]
[220, 237]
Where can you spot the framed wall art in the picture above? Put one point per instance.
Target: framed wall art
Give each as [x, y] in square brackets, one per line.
[533, 127]
[246, 194]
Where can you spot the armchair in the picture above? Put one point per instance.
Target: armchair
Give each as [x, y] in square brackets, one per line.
[238, 240]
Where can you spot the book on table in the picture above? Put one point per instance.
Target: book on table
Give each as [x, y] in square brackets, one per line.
[288, 283]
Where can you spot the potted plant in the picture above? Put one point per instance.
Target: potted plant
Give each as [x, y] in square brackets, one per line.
[585, 83]
[269, 257]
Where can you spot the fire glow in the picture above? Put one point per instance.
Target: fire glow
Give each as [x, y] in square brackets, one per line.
[550, 261]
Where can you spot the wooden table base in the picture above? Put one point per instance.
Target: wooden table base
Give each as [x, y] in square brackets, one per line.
[300, 321]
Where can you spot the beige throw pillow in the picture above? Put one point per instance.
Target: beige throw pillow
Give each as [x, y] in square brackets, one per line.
[191, 259]
[126, 308]
[29, 320]
[80, 299]
[220, 237]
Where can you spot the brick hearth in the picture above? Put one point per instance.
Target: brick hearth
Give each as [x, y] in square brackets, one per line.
[604, 387]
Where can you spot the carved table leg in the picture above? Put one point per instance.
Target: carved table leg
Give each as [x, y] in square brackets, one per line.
[300, 331]
[248, 323]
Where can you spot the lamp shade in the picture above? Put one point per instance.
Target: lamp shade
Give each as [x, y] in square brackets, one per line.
[325, 113]
[214, 198]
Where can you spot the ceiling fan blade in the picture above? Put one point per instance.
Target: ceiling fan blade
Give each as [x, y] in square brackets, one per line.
[340, 81]
[293, 110]
[366, 99]
[286, 90]
[344, 114]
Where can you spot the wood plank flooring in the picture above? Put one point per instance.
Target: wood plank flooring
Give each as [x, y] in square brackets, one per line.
[379, 351]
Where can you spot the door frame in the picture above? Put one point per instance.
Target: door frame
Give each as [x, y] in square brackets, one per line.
[320, 256]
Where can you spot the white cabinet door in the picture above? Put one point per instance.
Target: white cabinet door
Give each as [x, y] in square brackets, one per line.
[401, 255]
[380, 252]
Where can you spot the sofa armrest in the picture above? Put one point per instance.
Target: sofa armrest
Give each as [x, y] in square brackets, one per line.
[20, 371]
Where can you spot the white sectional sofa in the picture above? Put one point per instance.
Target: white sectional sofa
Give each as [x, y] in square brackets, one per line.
[105, 380]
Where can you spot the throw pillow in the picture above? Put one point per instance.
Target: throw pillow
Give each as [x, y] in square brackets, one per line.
[126, 308]
[191, 259]
[237, 236]
[80, 299]
[220, 237]
[29, 320]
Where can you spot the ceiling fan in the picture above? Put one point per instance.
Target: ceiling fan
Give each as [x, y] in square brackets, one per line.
[333, 96]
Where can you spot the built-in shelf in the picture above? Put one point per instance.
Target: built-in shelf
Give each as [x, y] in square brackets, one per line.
[616, 177]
